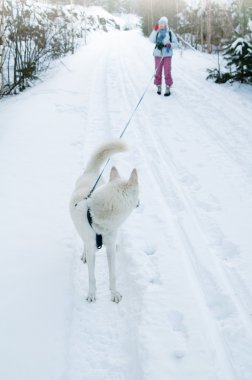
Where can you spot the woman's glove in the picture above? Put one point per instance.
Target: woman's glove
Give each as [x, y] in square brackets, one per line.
[168, 45]
[156, 27]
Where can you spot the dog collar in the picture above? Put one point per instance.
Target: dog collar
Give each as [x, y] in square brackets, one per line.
[99, 240]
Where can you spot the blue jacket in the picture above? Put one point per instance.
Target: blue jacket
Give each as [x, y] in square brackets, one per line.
[165, 52]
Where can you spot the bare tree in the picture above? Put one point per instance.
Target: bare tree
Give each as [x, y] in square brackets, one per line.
[209, 26]
[2, 45]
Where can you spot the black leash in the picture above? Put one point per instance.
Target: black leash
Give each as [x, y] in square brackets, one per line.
[99, 240]
[98, 179]
[125, 129]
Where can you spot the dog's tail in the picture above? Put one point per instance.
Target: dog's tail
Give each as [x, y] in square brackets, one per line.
[103, 153]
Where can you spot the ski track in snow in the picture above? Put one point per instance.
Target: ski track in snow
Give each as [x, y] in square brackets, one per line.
[214, 288]
[184, 265]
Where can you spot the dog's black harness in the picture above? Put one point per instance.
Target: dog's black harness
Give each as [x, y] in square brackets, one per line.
[99, 241]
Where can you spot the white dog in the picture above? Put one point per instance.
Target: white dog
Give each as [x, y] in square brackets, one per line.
[98, 217]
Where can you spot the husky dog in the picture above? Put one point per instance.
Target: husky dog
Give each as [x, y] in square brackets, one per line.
[100, 215]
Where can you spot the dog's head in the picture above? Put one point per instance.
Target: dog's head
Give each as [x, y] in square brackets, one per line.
[128, 189]
[113, 202]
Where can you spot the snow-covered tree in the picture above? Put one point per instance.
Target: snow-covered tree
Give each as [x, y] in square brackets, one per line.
[239, 63]
[239, 60]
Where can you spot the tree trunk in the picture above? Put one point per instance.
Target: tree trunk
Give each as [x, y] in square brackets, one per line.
[202, 31]
[151, 14]
[209, 27]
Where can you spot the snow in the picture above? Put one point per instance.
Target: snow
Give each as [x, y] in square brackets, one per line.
[100, 12]
[184, 264]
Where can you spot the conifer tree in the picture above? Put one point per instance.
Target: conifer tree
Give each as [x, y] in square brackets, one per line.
[239, 60]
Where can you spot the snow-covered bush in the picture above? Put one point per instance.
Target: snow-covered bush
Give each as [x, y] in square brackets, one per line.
[35, 33]
[131, 21]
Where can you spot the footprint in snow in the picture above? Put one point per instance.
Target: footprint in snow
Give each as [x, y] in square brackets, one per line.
[150, 250]
[176, 320]
[228, 250]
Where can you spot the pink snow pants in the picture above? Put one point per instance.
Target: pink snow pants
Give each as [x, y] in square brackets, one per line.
[166, 64]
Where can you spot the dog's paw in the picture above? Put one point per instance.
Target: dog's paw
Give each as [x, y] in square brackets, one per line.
[116, 297]
[91, 297]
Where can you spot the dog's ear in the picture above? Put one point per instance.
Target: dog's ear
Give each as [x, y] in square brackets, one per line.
[114, 174]
[133, 180]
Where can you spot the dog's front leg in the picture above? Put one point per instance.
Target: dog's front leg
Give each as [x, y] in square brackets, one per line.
[111, 253]
[90, 256]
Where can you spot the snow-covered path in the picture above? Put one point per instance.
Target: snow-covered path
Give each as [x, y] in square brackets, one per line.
[185, 264]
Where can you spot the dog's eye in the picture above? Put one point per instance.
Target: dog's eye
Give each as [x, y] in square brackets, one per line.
[138, 204]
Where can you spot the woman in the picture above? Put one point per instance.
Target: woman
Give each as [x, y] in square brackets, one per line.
[165, 41]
